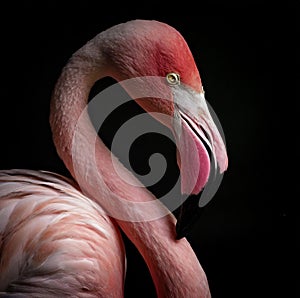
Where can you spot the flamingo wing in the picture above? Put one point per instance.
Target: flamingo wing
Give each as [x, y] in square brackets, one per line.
[56, 241]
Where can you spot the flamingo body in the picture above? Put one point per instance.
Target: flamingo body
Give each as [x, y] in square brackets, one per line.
[56, 241]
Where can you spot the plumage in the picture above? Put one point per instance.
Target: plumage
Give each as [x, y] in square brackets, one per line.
[56, 241]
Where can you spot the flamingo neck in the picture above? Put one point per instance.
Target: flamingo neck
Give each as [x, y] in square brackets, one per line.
[174, 267]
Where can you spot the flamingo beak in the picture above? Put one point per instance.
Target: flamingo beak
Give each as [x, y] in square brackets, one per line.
[201, 154]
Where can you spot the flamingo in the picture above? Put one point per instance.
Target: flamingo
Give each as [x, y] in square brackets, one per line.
[61, 237]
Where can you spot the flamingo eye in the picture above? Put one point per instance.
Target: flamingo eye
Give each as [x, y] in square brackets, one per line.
[173, 78]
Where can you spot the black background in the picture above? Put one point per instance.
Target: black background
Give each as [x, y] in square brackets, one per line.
[244, 239]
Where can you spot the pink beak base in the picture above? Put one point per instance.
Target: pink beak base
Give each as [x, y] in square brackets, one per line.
[193, 160]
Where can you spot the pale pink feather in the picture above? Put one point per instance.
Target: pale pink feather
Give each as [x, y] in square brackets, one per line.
[56, 241]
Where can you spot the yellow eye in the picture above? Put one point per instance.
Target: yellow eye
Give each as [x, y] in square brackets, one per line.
[173, 78]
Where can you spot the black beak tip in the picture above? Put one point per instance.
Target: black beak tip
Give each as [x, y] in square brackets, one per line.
[179, 232]
[187, 216]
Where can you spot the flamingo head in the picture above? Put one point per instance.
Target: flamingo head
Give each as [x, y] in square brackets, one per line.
[156, 50]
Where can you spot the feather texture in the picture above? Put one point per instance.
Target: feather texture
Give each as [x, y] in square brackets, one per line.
[55, 240]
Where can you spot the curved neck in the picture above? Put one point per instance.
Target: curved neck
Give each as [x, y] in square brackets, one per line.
[174, 267]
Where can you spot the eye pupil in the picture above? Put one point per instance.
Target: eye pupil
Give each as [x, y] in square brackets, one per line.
[173, 78]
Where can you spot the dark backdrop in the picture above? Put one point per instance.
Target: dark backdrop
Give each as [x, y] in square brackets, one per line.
[243, 238]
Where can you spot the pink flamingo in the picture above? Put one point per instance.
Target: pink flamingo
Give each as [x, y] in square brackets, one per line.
[56, 241]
